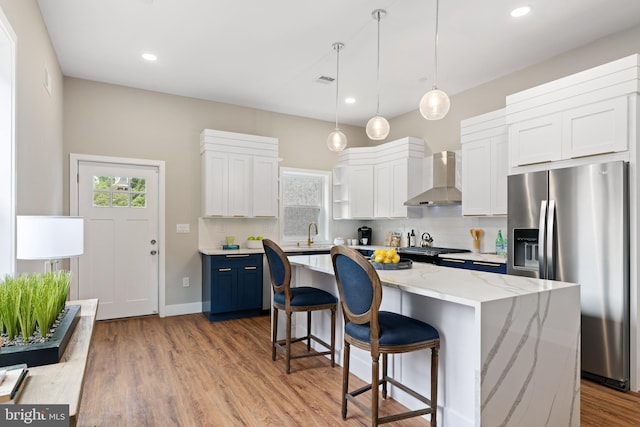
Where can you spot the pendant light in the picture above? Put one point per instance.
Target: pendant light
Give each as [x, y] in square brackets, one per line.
[337, 141]
[435, 104]
[378, 127]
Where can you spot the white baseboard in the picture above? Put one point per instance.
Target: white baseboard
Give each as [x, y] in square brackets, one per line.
[180, 309]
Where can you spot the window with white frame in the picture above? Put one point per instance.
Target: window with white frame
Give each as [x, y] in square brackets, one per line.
[305, 199]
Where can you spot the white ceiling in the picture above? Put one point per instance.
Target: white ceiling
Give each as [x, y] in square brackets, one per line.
[268, 54]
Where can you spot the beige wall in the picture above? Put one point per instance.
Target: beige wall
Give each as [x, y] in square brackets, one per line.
[38, 117]
[109, 120]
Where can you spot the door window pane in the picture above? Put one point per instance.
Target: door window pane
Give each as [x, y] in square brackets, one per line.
[120, 200]
[119, 192]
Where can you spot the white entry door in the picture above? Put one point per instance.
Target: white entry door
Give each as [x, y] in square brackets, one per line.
[120, 262]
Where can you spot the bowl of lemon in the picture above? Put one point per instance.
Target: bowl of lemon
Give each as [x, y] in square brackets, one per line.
[388, 259]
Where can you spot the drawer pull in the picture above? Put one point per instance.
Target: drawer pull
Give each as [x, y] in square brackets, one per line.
[224, 269]
[459, 261]
[250, 267]
[237, 256]
[488, 264]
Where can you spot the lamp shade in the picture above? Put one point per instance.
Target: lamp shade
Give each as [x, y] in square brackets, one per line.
[434, 105]
[378, 128]
[337, 141]
[49, 237]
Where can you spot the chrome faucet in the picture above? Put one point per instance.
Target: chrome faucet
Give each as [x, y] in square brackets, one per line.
[309, 238]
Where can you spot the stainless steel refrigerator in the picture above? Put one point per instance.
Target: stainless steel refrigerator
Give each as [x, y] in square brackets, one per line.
[572, 225]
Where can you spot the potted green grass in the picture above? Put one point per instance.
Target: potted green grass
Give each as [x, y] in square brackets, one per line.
[33, 316]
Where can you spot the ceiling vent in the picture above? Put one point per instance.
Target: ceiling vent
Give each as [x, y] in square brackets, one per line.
[325, 80]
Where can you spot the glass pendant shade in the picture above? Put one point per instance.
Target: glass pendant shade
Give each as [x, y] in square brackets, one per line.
[378, 128]
[434, 105]
[337, 141]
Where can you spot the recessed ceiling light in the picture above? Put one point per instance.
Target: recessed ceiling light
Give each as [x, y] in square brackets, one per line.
[149, 57]
[350, 100]
[520, 11]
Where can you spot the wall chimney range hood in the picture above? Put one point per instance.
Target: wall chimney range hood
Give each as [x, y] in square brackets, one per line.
[444, 191]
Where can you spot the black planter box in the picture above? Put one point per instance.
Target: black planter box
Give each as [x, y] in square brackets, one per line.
[44, 353]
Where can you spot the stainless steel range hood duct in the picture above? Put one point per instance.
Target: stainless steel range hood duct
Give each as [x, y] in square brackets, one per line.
[444, 191]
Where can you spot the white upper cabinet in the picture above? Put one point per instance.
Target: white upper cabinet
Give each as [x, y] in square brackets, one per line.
[265, 180]
[361, 191]
[383, 190]
[602, 127]
[374, 182]
[484, 164]
[586, 114]
[537, 140]
[239, 175]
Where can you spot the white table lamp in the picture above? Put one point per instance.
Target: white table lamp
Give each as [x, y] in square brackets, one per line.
[49, 238]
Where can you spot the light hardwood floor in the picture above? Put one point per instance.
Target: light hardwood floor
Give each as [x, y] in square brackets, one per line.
[184, 371]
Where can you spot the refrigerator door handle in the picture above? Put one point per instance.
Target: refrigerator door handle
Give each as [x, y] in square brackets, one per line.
[541, 235]
[551, 226]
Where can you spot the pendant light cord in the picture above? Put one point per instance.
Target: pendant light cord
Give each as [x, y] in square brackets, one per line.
[337, 47]
[378, 72]
[435, 50]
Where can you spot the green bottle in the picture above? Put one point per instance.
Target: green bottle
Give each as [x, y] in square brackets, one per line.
[500, 249]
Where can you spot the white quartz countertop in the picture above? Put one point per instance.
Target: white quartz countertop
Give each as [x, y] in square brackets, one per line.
[470, 256]
[467, 287]
[287, 249]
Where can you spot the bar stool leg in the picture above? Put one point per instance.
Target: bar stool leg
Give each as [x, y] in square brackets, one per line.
[274, 336]
[345, 378]
[288, 343]
[375, 372]
[308, 330]
[333, 337]
[384, 375]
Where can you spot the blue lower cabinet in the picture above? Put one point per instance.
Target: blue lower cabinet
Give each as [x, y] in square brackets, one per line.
[366, 252]
[231, 286]
[491, 267]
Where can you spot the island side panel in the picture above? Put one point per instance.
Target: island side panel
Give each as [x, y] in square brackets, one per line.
[459, 360]
[530, 360]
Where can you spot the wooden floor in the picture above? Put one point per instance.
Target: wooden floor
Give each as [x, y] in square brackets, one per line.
[184, 371]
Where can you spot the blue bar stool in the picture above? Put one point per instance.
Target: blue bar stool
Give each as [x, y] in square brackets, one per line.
[293, 300]
[380, 333]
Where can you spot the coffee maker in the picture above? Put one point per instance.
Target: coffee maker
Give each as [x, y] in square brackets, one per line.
[364, 233]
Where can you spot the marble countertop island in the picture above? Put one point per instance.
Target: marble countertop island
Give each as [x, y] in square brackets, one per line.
[510, 345]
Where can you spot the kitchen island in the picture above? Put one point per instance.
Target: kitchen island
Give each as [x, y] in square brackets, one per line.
[510, 345]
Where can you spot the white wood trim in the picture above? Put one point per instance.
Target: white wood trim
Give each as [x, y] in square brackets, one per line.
[74, 161]
[8, 163]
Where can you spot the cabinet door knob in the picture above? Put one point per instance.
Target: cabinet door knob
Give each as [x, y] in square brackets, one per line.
[154, 252]
[153, 242]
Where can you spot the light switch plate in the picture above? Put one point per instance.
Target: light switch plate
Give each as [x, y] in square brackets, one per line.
[183, 228]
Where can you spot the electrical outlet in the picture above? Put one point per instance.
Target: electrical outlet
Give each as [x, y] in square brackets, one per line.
[185, 282]
[183, 228]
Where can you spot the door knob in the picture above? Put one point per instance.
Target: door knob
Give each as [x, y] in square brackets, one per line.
[153, 242]
[154, 252]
